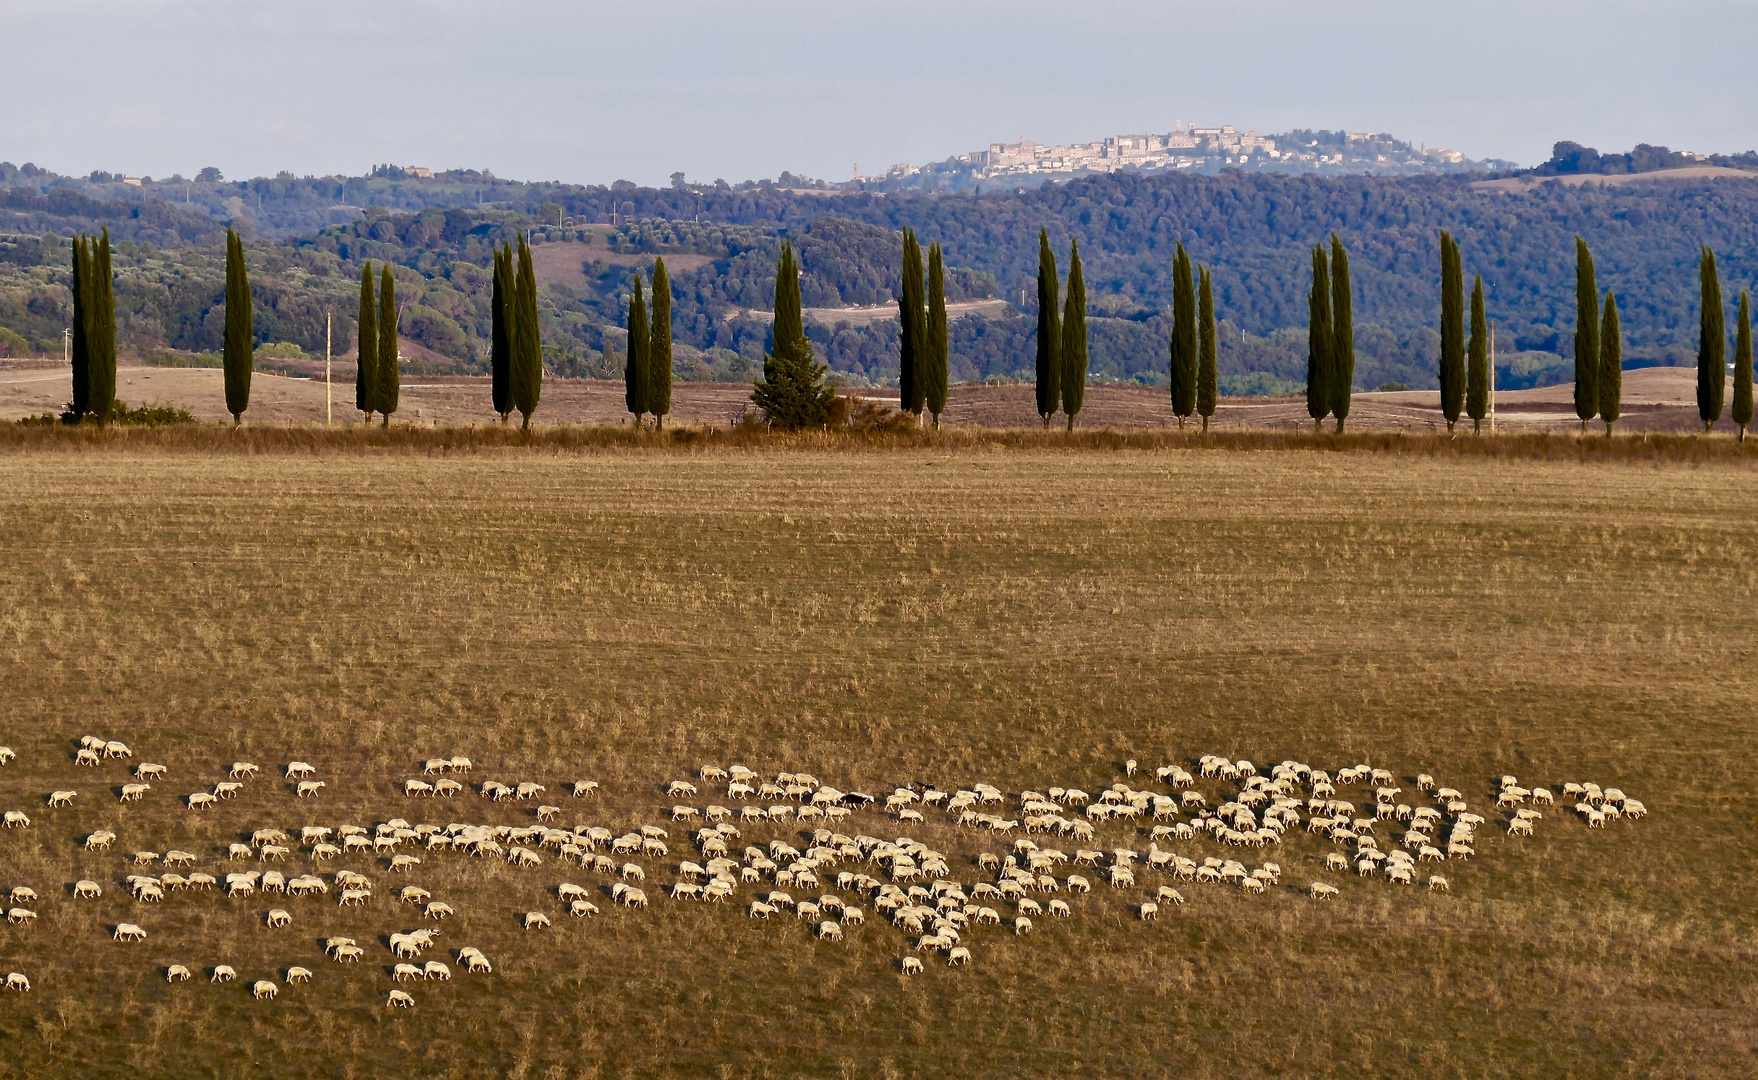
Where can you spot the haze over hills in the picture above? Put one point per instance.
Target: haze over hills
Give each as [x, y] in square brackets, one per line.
[310, 235]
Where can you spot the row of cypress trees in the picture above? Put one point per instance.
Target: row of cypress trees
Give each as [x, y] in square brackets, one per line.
[94, 329]
[1464, 367]
[1599, 347]
[647, 375]
[1193, 340]
[1330, 348]
[515, 339]
[924, 351]
[1062, 344]
[377, 382]
[1712, 352]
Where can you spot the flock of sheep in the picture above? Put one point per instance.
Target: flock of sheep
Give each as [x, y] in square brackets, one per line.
[1043, 849]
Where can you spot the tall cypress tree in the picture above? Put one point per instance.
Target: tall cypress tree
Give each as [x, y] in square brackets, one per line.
[1586, 336]
[1184, 343]
[912, 329]
[1074, 338]
[1611, 364]
[659, 348]
[500, 356]
[1477, 370]
[100, 332]
[390, 377]
[635, 379]
[1341, 381]
[1742, 411]
[1318, 340]
[1205, 365]
[527, 366]
[934, 364]
[1711, 345]
[82, 367]
[1049, 332]
[792, 394]
[366, 371]
[1452, 367]
[240, 345]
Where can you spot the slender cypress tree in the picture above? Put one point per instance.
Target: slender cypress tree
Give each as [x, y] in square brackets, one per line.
[1452, 368]
[1318, 340]
[527, 367]
[1341, 381]
[938, 347]
[913, 331]
[659, 348]
[82, 367]
[792, 394]
[366, 371]
[390, 377]
[240, 345]
[100, 333]
[1477, 369]
[635, 378]
[1711, 346]
[1205, 365]
[1742, 411]
[1184, 343]
[1586, 336]
[1611, 364]
[1074, 338]
[500, 357]
[1049, 332]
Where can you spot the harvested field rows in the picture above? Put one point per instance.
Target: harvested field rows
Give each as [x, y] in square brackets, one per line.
[1022, 618]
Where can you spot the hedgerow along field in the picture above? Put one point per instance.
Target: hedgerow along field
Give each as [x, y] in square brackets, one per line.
[1021, 617]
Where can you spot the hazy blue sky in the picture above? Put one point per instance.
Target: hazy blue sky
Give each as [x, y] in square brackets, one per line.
[742, 89]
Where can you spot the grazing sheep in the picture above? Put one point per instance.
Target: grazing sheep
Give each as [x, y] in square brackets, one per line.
[116, 749]
[417, 787]
[61, 798]
[222, 973]
[176, 973]
[299, 769]
[475, 963]
[404, 972]
[1022, 925]
[1437, 883]
[18, 915]
[6, 754]
[87, 889]
[678, 788]
[262, 990]
[399, 1000]
[582, 908]
[200, 800]
[278, 918]
[242, 770]
[15, 819]
[960, 955]
[298, 975]
[447, 788]
[582, 788]
[1322, 891]
[433, 969]
[86, 756]
[1149, 910]
[911, 966]
[17, 981]
[23, 894]
[829, 931]
[308, 787]
[347, 954]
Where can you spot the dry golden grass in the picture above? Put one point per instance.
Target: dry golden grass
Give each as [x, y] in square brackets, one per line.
[973, 611]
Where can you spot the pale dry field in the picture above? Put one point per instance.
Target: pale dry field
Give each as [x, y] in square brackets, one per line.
[1021, 617]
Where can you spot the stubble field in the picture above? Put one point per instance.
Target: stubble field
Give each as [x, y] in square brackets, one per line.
[1020, 617]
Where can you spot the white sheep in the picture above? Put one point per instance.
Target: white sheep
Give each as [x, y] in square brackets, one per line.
[299, 769]
[16, 981]
[404, 972]
[200, 800]
[912, 966]
[6, 754]
[222, 973]
[278, 918]
[829, 931]
[62, 798]
[176, 973]
[957, 956]
[264, 990]
[399, 1000]
[308, 787]
[1322, 891]
[433, 969]
[15, 819]
[536, 920]
[18, 915]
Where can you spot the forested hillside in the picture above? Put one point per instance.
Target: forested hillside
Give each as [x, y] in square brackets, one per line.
[1253, 230]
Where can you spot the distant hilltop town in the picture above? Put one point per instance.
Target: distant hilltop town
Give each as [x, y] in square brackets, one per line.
[1206, 149]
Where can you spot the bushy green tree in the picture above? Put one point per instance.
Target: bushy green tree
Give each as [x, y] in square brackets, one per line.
[527, 342]
[500, 354]
[1341, 381]
[635, 370]
[1319, 340]
[1742, 409]
[1611, 364]
[1182, 372]
[390, 377]
[1074, 338]
[1711, 345]
[1049, 332]
[238, 358]
[1477, 368]
[938, 351]
[1206, 358]
[792, 394]
[366, 371]
[1586, 336]
[659, 348]
[912, 328]
[1452, 366]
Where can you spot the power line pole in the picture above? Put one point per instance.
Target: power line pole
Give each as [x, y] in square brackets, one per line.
[329, 399]
[1492, 376]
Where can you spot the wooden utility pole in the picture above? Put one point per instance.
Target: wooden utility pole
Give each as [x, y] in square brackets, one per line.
[1492, 376]
[329, 399]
